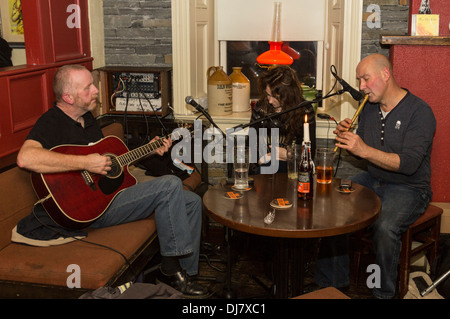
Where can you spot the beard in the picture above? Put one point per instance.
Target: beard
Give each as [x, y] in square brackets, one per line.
[87, 106]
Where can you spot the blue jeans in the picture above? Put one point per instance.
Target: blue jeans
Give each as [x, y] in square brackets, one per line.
[178, 216]
[401, 205]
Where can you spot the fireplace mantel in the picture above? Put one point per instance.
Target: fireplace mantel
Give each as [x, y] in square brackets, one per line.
[414, 40]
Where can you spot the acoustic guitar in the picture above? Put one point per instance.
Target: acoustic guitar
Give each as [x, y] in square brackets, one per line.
[75, 199]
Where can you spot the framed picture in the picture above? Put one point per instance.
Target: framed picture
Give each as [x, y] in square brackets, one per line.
[11, 20]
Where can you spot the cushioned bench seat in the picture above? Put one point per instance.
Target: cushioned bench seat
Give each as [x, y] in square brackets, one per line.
[41, 272]
[98, 265]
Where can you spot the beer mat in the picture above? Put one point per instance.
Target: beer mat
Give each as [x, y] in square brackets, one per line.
[345, 190]
[233, 195]
[241, 189]
[280, 203]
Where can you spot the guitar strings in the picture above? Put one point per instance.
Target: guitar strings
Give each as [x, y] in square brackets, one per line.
[141, 151]
[134, 155]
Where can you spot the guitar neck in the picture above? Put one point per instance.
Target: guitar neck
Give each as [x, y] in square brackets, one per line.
[145, 150]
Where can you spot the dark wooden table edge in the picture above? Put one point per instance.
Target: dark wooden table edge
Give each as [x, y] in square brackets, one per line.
[279, 233]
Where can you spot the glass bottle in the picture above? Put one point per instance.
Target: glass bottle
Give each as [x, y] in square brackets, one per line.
[305, 174]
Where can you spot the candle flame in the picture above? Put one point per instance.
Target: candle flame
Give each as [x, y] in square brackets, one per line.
[306, 118]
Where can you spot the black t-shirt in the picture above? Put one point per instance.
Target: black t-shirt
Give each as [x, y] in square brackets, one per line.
[52, 129]
[55, 128]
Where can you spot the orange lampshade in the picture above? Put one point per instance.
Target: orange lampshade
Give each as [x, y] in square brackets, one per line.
[275, 55]
[290, 51]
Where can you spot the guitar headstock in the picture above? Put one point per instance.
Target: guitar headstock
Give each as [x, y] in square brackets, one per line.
[175, 135]
[188, 126]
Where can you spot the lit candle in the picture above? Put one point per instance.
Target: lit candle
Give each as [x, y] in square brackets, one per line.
[306, 130]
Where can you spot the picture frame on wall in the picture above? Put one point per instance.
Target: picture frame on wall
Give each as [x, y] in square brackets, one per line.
[11, 21]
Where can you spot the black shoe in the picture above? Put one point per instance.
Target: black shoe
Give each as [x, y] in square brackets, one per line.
[184, 284]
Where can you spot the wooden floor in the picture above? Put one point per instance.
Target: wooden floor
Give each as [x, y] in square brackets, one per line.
[251, 267]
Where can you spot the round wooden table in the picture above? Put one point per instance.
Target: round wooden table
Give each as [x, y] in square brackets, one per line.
[330, 213]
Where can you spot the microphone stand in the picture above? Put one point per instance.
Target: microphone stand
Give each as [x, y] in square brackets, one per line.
[270, 116]
[302, 104]
[209, 118]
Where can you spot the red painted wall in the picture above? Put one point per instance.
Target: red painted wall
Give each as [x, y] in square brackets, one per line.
[441, 7]
[26, 90]
[425, 70]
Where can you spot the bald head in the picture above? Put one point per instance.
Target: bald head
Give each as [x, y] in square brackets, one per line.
[374, 73]
[377, 61]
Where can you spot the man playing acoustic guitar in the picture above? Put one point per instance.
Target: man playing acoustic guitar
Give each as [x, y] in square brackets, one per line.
[177, 211]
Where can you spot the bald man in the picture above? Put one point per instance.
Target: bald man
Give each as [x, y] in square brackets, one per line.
[395, 135]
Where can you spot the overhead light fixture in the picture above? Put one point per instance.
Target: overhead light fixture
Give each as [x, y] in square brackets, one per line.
[275, 55]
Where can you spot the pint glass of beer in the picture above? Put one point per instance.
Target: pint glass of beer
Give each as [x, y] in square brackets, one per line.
[324, 165]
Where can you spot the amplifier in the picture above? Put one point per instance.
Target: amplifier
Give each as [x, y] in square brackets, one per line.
[136, 90]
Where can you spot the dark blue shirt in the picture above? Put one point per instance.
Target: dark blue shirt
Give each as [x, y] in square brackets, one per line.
[408, 131]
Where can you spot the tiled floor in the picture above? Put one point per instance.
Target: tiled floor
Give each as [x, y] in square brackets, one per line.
[251, 267]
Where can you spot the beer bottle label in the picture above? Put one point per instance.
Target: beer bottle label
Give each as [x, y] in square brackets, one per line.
[303, 183]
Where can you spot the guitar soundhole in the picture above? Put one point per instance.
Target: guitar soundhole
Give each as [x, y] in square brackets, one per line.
[116, 169]
[113, 180]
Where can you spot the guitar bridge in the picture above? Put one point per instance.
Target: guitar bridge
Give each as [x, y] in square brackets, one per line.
[88, 180]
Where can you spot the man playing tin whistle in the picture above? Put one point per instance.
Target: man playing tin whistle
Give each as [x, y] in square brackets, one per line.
[395, 135]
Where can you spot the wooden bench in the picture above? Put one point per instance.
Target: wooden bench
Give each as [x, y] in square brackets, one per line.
[42, 272]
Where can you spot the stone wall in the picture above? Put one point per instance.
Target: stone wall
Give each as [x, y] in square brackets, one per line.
[138, 33]
[393, 20]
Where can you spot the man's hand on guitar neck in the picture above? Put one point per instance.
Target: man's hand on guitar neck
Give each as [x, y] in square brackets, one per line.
[167, 144]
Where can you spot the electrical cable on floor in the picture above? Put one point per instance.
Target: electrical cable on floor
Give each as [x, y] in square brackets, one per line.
[213, 249]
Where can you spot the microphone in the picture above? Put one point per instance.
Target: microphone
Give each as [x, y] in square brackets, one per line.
[190, 100]
[346, 87]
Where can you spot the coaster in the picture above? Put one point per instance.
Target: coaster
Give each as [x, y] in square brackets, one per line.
[345, 190]
[281, 203]
[241, 189]
[232, 195]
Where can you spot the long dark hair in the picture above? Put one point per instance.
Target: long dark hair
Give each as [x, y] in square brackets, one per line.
[286, 88]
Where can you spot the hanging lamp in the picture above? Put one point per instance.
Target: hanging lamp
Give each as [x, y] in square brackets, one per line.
[275, 55]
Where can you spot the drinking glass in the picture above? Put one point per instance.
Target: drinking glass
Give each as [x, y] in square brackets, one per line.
[324, 165]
